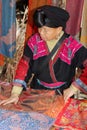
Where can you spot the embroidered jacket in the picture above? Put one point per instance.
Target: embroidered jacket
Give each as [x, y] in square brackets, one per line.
[60, 71]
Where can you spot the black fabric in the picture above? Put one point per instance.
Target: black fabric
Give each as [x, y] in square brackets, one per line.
[52, 52]
[50, 16]
[35, 85]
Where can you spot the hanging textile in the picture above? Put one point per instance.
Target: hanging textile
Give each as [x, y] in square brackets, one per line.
[33, 4]
[1, 56]
[7, 28]
[84, 24]
[74, 7]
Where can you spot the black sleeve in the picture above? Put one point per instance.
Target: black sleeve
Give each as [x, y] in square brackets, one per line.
[80, 58]
[27, 52]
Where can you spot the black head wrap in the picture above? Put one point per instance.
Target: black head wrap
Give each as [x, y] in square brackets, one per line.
[50, 16]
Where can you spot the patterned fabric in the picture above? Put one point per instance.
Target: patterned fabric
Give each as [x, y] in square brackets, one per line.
[11, 120]
[38, 109]
[73, 116]
[41, 101]
[7, 28]
[38, 46]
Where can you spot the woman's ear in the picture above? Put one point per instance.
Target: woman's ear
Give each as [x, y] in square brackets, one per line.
[59, 30]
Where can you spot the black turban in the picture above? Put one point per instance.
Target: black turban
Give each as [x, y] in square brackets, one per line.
[50, 16]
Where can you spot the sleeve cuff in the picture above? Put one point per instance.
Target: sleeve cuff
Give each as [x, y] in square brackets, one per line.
[80, 85]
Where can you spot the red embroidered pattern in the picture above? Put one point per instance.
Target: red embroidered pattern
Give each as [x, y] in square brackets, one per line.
[73, 116]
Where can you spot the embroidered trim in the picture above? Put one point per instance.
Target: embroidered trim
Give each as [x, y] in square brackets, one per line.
[67, 50]
[37, 46]
[79, 84]
[20, 82]
[51, 85]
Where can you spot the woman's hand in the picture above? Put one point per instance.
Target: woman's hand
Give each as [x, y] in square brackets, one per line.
[69, 92]
[12, 99]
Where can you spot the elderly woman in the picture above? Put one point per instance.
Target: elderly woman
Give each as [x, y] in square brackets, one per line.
[58, 71]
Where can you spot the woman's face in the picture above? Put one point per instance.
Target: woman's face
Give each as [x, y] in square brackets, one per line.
[48, 33]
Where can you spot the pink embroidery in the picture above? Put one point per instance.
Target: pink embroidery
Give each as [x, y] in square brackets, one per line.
[52, 85]
[38, 46]
[68, 51]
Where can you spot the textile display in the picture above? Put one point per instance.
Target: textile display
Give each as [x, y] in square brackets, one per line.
[36, 109]
[42, 101]
[11, 120]
[84, 25]
[73, 116]
[7, 28]
[33, 4]
[74, 7]
[38, 106]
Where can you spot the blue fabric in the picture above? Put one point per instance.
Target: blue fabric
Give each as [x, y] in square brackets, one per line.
[11, 120]
[7, 28]
[20, 82]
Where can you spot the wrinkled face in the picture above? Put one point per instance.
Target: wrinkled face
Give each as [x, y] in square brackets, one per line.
[48, 33]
